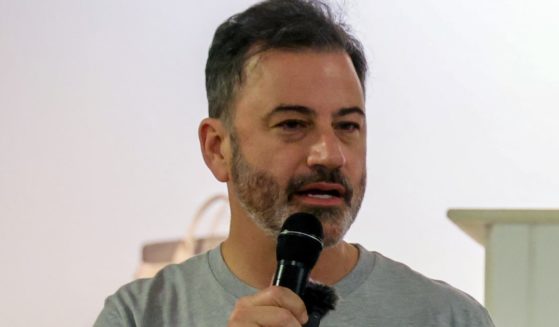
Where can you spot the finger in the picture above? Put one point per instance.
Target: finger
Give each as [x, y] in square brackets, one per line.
[273, 296]
[269, 316]
[281, 297]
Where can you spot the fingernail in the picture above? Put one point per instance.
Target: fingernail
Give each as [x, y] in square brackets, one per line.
[304, 317]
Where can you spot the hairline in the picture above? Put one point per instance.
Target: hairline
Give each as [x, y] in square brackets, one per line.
[257, 50]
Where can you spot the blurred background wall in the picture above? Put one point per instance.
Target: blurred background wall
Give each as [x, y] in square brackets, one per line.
[100, 102]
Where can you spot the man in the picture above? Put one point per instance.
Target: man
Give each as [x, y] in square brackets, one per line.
[287, 133]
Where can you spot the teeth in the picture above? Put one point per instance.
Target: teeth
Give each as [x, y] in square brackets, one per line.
[320, 196]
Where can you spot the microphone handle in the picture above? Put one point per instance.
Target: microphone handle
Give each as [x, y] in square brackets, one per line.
[293, 275]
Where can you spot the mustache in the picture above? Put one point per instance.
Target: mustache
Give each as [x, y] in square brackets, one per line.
[320, 174]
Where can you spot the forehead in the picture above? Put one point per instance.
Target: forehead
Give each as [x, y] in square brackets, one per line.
[322, 80]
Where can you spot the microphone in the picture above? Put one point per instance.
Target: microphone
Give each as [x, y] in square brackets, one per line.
[298, 248]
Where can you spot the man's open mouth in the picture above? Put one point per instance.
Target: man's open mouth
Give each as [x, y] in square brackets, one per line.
[321, 194]
[322, 190]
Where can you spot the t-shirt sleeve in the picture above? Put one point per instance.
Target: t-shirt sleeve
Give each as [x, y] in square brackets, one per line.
[125, 307]
[111, 316]
[481, 318]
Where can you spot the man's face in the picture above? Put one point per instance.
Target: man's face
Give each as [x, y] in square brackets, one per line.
[298, 140]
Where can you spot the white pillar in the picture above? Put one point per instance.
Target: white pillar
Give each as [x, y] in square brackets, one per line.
[521, 263]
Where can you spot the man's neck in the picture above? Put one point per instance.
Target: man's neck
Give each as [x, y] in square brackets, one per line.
[335, 263]
[250, 258]
[251, 255]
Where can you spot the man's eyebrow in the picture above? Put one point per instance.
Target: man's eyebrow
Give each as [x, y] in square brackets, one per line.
[292, 108]
[349, 111]
[310, 112]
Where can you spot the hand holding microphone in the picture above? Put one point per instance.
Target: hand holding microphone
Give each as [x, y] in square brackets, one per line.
[298, 248]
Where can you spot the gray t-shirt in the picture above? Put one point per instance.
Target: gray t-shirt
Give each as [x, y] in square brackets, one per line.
[202, 291]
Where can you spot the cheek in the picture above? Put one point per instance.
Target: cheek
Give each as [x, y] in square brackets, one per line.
[281, 167]
[356, 158]
[356, 171]
[277, 159]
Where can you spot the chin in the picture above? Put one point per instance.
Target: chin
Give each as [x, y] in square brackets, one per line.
[333, 234]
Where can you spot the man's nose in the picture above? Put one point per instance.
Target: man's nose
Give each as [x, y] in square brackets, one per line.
[326, 151]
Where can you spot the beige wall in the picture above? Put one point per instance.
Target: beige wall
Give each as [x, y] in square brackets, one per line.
[99, 105]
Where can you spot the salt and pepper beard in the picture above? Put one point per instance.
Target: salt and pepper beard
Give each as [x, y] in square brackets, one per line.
[269, 206]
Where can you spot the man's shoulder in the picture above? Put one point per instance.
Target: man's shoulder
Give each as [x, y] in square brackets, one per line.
[401, 278]
[172, 276]
[132, 302]
[403, 289]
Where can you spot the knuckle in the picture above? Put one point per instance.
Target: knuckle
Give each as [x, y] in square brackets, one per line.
[239, 311]
[277, 293]
[285, 318]
[242, 303]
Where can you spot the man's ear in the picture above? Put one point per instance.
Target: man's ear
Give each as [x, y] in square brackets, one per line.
[214, 143]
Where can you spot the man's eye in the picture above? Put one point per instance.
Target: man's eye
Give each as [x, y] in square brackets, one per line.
[292, 124]
[349, 126]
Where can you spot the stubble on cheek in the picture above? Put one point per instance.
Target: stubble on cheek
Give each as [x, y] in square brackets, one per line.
[258, 192]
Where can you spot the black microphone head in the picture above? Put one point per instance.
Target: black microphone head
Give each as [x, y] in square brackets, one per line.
[300, 239]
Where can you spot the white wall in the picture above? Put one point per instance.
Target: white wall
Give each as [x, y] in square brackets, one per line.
[99, 106]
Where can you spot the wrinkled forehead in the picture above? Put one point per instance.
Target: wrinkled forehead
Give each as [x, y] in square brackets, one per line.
[323, 82]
